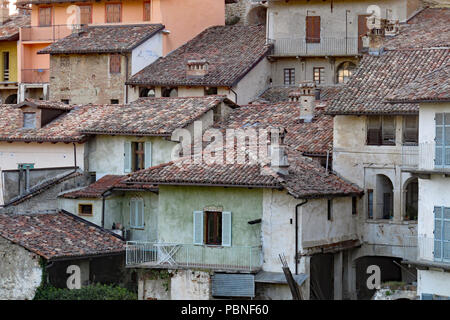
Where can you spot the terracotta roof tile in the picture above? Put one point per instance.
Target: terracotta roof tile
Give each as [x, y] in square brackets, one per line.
[231, 51]
[104, 38]
[281, 93]
[9, 31]
[58, 235]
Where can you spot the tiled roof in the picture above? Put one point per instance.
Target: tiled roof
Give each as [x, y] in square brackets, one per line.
[58, 235]
[379, 76]
[106, 183]
[230, 51]
[153, 116]
[281, 93]
[45, 104]
[314, 137]
[306, 178]
[104, 39]
[9, 31]
[433, 87]
[429, 28]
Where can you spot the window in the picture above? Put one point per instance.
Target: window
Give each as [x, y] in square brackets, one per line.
[319, 75]
[442, 140]
[345, 71]
[210, 91]
[289, 76]
[5, 66]
[114, 101]
[370, 204]
[169, 92]
[442, 234]
[147, 10]
[85, 14]
[45, 16]
[146, 92]
[138, 156]
[412, 200]
[29, 120]
[313, 29]
[330, 210]
[66, 101]
[411, 130]
[85, 209]
[212, 228]
[137, 213]
[354, 206]
[381, 130]
[114, 63]
[113, 12]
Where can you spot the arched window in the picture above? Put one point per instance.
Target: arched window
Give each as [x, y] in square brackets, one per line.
[12, 99]
[169, 92]
[257, 15]
[411, 199]
[385, 197]
[146, 92]
[345, 71]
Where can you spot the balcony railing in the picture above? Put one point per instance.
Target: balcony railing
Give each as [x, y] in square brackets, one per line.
[324, 47]
[174, 255]
[35, 75]
[47, 33]
[422, 157]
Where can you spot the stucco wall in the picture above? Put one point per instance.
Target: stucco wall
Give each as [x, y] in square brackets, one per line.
[433, 282]
[253, 83]
[146, 53]
[20, 272]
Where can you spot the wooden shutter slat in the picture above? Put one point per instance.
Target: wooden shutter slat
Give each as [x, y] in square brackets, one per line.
[226, 228]
[198, 227]
[313, 29]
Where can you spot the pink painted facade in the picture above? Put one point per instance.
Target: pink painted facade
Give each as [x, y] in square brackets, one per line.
[183, 19]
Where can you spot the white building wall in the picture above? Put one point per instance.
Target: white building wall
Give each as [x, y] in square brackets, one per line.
[433, 282]
[146, 53]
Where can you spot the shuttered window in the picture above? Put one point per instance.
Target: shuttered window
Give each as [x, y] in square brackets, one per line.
[147, 10]
[289, 76]
[370, 204]
[113, 12]
[319, 75]
[442, 140]
[212, 228]
[381, 130]
[85, 14]
[441, 234]
[114, 63]
[313, 29]
[137, 213]
[127, 156]
[45, 16]
[410, 129]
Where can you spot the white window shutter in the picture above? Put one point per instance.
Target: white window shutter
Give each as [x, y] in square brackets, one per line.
[132, 213]
[140, 213]
[226, 229]
[198, 227]
[127, 156]
[148, 154]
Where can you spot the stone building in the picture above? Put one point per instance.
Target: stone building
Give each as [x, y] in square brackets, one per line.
[246, 12]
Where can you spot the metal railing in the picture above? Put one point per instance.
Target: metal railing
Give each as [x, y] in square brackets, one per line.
[323, 46]
[35, 75]
[421, 157]
[45, 33]
[174, 255]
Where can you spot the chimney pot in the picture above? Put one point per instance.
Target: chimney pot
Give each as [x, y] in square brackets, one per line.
[196, 68]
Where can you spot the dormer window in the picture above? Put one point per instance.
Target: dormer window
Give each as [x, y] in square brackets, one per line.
[29, 120]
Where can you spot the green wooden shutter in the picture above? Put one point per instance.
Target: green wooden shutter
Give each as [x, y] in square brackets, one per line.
[226, 228]
[198, 227]
[127, 157]
[140, 213]
[132, 213]
[148, 154]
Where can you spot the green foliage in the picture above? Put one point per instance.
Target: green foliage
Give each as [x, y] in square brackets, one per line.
[92, 292]
[160, 275]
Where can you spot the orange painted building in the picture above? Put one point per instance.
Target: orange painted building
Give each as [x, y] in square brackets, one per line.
[52, 20]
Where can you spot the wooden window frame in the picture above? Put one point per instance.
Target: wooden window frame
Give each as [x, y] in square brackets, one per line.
[121, 11]
[149, 14]
[137, 155]
[369, 205]
[112, 70]
[381, 132]
[410, 141]
[80, 213]
[91, 19]
[311, 36]
[321, 72]
[217, 216]
[51, 16]
[291, 74]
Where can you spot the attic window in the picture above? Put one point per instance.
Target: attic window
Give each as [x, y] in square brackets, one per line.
[114, 63]
[210, 91]
[85, 209]
[29, 120]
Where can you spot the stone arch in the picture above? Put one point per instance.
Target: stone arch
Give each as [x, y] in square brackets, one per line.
[257, 15]
[384, 197]
[11, 99]
[411, 198]
[344, 71]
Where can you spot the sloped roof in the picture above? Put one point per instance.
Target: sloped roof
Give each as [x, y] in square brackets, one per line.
[432, 87]
[9, 31]
[58, 235]
[104, 39]
[106, 183]
[45, 104]
[230, 51]
[153, 116]
[277, 94]
[379, 76]
[429, 28]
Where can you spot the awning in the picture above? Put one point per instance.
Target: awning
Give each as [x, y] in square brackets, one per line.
[278, 277]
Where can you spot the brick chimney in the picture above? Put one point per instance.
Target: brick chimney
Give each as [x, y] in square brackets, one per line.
[196, 68]
[4, 11]
[278, 151]
[375, 35]
[307, 98]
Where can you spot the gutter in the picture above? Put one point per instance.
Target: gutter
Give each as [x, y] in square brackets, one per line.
[296, 234]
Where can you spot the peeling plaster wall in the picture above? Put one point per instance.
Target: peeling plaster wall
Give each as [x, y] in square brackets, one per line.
[20, 272]
[433, 282]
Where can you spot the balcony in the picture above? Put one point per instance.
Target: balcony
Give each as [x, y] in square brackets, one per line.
[45, 34]
[430, 250]
[35, 75]
[146, 254]
[326, 47]
[422, 158]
